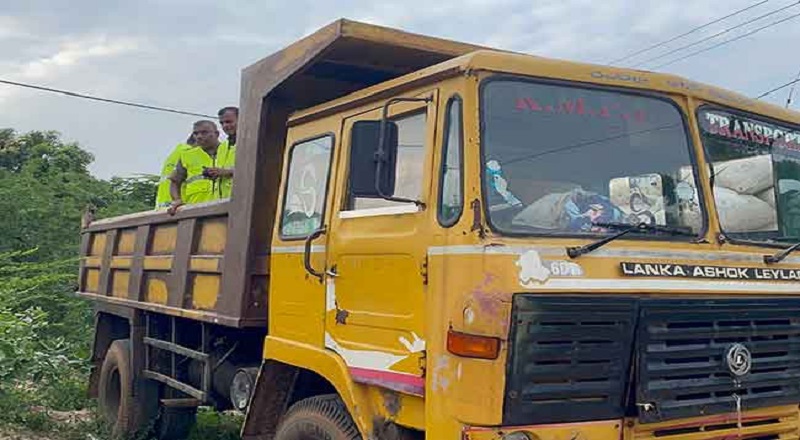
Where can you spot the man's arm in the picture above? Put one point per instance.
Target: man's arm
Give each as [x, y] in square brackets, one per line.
[177, 178]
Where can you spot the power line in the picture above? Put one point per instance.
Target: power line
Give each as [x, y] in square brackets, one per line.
[723, 43]
[723, 32]
[769, 92]
[791, 91]
[106, 100]
[691, 31]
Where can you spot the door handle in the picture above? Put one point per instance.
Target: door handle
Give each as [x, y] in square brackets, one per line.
[307, 253]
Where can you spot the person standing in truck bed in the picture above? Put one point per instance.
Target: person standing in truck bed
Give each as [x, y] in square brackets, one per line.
[163, 197]
[204, 170]
[228, 120]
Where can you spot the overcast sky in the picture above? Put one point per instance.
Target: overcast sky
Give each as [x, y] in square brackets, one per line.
[188, 54]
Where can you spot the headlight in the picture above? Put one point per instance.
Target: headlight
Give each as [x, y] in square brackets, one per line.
[242, 388]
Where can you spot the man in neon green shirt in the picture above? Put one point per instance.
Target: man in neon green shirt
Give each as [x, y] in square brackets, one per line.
[201, 171]
[163, 198]
[228, 120]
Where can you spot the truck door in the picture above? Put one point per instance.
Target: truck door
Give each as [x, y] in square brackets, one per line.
[297, 288]
[376, 261]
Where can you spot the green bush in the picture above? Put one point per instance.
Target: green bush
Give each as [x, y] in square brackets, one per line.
[45, 330]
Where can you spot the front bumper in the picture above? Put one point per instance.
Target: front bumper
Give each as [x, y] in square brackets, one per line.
[769, 423]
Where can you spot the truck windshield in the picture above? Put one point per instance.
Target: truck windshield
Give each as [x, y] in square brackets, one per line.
[561, 159]
[756, 171]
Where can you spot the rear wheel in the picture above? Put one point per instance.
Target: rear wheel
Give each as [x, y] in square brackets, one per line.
[318, 418]
[124, 412]
[128, 414]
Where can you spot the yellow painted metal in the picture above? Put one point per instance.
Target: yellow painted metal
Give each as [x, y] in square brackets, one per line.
[156, 290]
[328, 365]
[92, 261]
[204, 264]
[92, 283]
[205, 290]
[126, 239]
[119, 283]
[98, 244]
[157, 263]
[397, 282]
[379, 293]
[610, 430]
[403, 409]
[213, 233]
[163, 239]
[779, 422]
[121, 262]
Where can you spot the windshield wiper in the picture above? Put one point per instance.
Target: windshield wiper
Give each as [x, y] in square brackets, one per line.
[624, 229]
[781, 255]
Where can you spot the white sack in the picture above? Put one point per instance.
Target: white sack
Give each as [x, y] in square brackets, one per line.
[545, 213]
[750, 175]
[768, 196]
[743, 213]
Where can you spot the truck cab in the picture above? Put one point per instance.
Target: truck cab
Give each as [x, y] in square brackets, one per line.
[428, 239]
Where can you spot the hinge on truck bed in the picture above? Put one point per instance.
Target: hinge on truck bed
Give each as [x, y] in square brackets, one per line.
[423, 270]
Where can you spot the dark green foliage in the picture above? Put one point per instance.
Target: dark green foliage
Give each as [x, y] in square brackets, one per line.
[45, 330]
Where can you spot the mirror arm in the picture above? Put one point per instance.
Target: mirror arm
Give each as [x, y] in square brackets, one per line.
[380, 153]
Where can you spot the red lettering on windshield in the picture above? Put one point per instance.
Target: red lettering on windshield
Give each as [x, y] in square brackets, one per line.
[579, 107]
[751, 131]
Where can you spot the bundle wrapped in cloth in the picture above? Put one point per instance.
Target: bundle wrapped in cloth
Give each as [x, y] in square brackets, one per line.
[745, 194]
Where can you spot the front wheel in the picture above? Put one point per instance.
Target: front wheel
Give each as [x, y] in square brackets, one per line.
[318, 418]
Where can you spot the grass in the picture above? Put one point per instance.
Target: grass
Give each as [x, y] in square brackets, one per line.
[212, 425]
[23, 421]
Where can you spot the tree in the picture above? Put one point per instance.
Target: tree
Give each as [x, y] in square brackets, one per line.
[45, 185]
[45, 330]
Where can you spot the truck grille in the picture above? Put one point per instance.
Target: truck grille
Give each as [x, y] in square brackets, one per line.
[683, 344]
[569, 358]
[580, 358]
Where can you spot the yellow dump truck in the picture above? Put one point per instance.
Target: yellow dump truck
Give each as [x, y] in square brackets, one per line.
[428, 239]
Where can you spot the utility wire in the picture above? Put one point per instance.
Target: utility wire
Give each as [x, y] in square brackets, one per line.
[106, 100]
[769, 92]
[791, 91]
[723, 43]
[711, 37]
[689, 32]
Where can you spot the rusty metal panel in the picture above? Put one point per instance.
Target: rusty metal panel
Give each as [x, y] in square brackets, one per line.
[98, 244]
[120, 279]
[163, 239]
[180, 265]
[213, 233]
[336, 60]
[126, 241]
[155, 287]
[169, 274]
[204, 290]
[91, 280]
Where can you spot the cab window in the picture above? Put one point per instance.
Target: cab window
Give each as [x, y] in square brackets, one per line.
[410, 163]
[451, 198]
[306, 187]
[571, 160]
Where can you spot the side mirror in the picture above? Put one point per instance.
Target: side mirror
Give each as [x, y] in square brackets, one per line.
[372, 172]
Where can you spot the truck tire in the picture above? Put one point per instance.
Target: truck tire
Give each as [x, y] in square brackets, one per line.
[318, 418]
[123, 411]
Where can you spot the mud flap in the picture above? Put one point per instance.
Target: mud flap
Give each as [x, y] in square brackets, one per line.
[269, 402]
